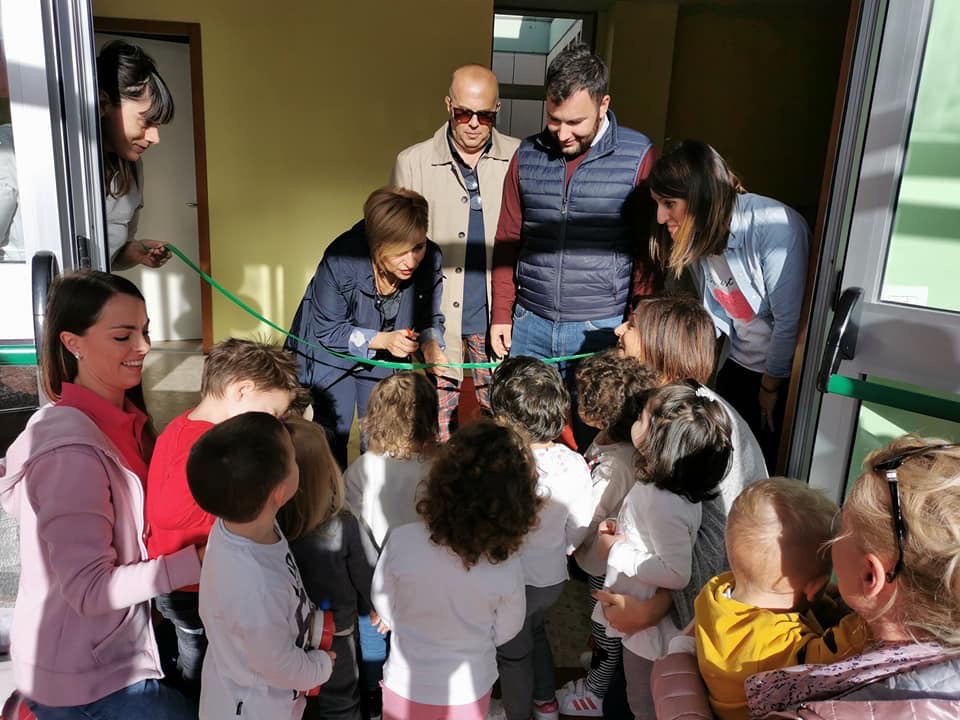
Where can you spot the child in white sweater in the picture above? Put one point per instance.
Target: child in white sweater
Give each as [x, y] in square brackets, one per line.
[400, 428]
[530, 395]
[683, 449]
[611, 390]
[451, 585]
[260, 623]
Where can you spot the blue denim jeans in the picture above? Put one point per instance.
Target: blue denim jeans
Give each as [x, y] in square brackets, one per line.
[541, 338]
[145, 700]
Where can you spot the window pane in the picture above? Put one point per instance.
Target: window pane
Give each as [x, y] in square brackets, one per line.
[11, 232]
[924, 254]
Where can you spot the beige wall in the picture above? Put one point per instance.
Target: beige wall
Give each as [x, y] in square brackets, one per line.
[757, 80]
[306, 106]
[640, 40]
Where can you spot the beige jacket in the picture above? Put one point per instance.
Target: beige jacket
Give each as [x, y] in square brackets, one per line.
[429, 169]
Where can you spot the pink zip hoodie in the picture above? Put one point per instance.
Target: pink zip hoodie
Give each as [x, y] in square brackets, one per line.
[81, 628]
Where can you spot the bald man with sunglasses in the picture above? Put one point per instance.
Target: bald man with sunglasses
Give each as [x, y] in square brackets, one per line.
[460, 171]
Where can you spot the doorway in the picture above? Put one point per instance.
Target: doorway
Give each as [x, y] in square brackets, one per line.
[175, 193]
[892, 232]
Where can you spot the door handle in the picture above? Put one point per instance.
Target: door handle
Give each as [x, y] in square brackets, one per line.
[191, 204]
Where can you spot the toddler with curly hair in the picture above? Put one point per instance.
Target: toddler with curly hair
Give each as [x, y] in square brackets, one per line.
[400, 428]
[451, 586]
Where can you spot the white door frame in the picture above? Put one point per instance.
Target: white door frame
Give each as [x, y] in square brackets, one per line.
[899, 342]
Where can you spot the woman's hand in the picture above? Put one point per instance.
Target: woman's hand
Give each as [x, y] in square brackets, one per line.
[433, 354]
[767, 397]
[149, 253]
[399, 343]
[629, 615]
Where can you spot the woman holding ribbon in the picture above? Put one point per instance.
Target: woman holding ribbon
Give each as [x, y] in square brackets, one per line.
[375, 297]
[134, 103]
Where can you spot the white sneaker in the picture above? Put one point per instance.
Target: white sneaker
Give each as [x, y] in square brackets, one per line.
[579, 701]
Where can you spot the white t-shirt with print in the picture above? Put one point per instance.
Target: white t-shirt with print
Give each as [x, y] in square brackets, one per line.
[750, 339]
[257, 617]
[564, 481]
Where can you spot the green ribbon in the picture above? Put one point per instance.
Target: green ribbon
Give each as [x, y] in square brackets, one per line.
[899, 398]
[343, 356]
[18, 355]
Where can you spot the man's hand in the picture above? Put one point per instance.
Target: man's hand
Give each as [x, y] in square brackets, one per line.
[433, 354]
[501, 337]
[378, 624]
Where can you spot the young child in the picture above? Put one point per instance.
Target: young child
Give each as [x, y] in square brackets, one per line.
[401, 432]
[451, 586]
[253, 604]
[611, 389]
[530, 396]
[683, 447]
[238, 376]
[756, 617]
[336, 560]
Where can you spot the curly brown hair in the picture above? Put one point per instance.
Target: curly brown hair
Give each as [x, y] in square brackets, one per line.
[401, 419]
[612, 389]
[480, 498]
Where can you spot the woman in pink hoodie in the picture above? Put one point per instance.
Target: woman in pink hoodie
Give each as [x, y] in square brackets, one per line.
[82, 643]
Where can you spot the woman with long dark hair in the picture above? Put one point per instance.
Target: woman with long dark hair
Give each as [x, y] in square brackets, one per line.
[134, 103]
[748, 254]
[82, 640]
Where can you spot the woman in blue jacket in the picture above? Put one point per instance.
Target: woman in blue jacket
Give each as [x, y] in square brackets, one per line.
[375, 295]
[748, 254]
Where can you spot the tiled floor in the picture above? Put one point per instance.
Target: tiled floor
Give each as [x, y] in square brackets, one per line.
[172, 381]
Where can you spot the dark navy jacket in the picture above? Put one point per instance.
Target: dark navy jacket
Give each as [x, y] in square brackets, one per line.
[577, 250]
[340, 309]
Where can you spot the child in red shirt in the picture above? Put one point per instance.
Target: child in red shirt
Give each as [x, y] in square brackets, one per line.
[238, 376]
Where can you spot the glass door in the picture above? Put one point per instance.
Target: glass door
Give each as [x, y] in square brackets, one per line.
[51, 207]
[894, 231]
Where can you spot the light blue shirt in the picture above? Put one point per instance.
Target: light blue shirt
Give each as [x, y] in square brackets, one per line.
[767, 251]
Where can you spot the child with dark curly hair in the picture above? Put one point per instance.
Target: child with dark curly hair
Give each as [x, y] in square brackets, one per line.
[401, 430]
[451, 586]
[683, 449]
[612, 389]
[530, 395]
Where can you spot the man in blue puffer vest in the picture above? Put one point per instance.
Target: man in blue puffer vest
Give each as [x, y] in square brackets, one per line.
[565, 261]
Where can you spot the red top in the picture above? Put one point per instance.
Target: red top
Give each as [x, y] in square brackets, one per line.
[173, 516]
[123, 428]
[506, 248]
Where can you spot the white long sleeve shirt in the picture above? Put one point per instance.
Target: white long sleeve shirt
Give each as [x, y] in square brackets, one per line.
[564, 482]
[447, 621]
[660, 529]
[257, 618]
[382, 491]
[612, 474]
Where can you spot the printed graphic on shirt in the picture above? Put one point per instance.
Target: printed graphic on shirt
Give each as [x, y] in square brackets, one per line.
[304, 606]
[724, 289]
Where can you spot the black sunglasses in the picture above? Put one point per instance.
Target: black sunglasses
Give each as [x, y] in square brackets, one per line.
[465, 115]
[889, 469]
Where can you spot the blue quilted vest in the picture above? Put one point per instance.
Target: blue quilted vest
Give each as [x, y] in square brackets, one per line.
[577, 252]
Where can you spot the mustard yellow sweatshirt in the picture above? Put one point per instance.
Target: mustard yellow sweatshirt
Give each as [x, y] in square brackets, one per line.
[735, 641]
